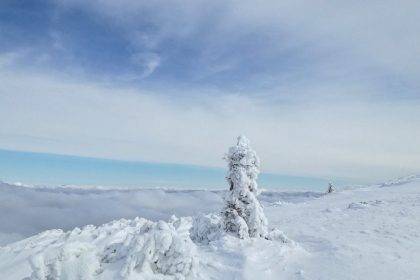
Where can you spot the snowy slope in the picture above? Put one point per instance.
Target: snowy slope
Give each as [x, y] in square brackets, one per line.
[364, 233]
[367, 233]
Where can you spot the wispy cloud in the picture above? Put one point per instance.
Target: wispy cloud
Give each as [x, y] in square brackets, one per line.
[275, 42]
[147, 61]
[321, 88]
[351, 139]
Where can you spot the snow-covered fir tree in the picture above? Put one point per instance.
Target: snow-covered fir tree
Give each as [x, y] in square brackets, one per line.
[331, 188]
[243, 214]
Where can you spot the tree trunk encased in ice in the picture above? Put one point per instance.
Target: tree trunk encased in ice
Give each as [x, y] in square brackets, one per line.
[243, 214]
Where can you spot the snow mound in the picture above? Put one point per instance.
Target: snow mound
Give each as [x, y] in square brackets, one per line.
[206, 228]
[161, 248]
[278, 235]
[138, 248]
[74, 260]
[142, 249]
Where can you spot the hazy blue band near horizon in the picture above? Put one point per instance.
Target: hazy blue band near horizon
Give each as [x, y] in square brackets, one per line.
[52, 169]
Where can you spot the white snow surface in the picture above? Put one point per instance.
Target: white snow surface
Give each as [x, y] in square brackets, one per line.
[363, 233]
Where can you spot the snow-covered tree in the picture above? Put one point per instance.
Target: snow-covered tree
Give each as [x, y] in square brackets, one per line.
[243, 214]
[331, 188]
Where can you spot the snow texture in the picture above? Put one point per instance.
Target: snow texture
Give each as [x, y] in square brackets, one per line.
[369, 232]
[243, 214]
[124, 249]
[400, 181]
[206, 228]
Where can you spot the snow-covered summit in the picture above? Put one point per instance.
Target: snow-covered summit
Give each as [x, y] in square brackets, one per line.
[124, 249]
[350, 234]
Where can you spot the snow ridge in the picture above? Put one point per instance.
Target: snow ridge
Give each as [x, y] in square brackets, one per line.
[136, 248]
[400, 181]
[366, 231]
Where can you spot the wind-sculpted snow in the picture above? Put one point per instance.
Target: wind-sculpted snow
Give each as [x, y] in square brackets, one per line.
[206, 228]
[349, 234]
[139, 249]
[243, 213]
[124, 249]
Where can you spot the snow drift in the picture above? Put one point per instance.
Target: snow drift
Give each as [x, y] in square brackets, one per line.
[136, 249]
[126, 249]
[345, 235]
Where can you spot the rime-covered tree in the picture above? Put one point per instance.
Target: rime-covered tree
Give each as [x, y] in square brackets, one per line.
[243, 214]
[331, 188]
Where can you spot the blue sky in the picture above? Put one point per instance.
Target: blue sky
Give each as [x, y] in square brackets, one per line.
[321, 88]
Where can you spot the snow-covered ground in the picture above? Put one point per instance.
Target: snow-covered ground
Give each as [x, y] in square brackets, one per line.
[361, 233]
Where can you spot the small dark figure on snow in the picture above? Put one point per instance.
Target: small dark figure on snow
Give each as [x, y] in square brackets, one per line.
[331, 188]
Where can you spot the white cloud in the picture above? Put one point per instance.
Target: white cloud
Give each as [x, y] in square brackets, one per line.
[147, 61]
[350, 139]
[369, 36]
[323, 114]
